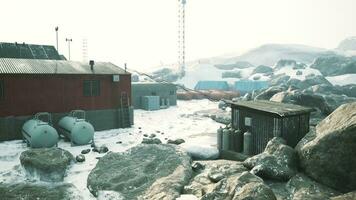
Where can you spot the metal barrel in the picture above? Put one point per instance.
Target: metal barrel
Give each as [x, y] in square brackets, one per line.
[226, 139]
[247, 146]
[219, 138]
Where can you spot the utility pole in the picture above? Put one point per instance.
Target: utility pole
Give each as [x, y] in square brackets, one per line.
[181, 37]
[57, 37]
[69, 40]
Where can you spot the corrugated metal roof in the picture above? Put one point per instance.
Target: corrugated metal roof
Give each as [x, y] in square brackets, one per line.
[281, 109]
[212, 85]
[34, 66]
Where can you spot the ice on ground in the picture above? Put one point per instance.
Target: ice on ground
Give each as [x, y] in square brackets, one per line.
[175, 122]
[341, 80]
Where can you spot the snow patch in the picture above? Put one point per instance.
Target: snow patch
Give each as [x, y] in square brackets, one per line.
[341, 80]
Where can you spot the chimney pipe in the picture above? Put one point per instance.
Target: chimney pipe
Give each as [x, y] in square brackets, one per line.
[91, 63]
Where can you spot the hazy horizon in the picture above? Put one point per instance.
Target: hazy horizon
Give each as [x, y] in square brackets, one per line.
[144, 33]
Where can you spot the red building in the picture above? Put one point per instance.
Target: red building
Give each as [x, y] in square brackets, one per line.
[28, 86]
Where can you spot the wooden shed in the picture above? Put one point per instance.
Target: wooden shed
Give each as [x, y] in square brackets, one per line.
[267, 119]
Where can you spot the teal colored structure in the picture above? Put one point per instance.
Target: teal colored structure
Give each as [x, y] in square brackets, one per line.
[144, 93]
[151, 102]
[212, 85]
[245, 86]
[38, 133]
[76, 128]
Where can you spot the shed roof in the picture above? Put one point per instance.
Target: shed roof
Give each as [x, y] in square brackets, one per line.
[212, 85]
[281, 109]
[36, 66]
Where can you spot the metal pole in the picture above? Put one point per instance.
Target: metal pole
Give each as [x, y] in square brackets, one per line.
[57, 38]
[69, 40]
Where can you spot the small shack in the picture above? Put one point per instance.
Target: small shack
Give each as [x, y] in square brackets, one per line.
[267, 119]
[212, 85]
[153, 95]
[245, 86]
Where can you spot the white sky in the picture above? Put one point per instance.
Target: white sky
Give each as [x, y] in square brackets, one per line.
[144, 33]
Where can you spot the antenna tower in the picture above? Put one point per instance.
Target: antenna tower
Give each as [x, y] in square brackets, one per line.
[181, 37]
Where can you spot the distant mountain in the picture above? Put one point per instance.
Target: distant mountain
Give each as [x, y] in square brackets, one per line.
[348, 44]
[270, 54]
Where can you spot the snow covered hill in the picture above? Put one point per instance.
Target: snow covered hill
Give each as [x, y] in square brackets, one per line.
[269, 54]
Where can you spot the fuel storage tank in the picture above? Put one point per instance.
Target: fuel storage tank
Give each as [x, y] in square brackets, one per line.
[76, 128]
[38, 133]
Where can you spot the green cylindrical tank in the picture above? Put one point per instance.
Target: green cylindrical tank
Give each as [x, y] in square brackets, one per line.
[38, 133]
[238, 141]
[226, 139]
[247, 143]
[76, 129]
[219, 138]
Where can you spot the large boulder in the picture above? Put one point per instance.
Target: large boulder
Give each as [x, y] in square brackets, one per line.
[47, 164]
[145, 171]
[216, 179]
[278, 161]
[349, 90]
[304, 99]
[348, 196]
[329, 157]
[268, 93]
[29, 191]
[301, 187]
[262, 69]
[335, 65]
[250, 186]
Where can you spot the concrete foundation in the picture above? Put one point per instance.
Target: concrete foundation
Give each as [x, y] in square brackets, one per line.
[10, 127]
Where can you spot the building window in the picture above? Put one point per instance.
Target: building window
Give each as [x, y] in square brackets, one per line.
[154, 94]
[172, 92]
[2, 90]
[91, 88]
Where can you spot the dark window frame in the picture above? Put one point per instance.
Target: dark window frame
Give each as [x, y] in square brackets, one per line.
[91, 88]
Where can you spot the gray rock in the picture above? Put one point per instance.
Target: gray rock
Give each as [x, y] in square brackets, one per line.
[80, 158]
[204, 187]
[250, 186]
[349, 90]
[176, 141]
[197, 166]
[262, 69]
[27, 191]
[279, 79]
[215, 176]
[101, 149]
[278, 161]
[143, 172]
[268, 93]
[309, 100]
[50, 164]
[301, 187]
[85, 151]
[152, 135]
[335, 65]
[151, 141]
[329, 157]
[348, 196]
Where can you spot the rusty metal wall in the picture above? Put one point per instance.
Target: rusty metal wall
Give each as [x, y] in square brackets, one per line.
[28, 94]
